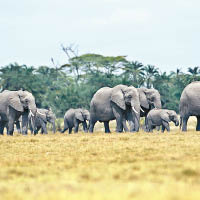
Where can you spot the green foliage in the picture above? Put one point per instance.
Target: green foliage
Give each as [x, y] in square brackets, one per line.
[73, 84]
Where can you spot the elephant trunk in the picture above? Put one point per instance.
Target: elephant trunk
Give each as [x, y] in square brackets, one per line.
[136, 114]
[157, 104]
[32, 108]
[176, 122]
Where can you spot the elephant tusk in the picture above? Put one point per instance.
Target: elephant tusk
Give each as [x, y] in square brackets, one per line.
[40, 113]
[31, 113]
[141, 109]
[134, 109]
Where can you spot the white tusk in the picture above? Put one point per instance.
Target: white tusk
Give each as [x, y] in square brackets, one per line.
[134, 109]
[141, 109]
[40, 113]
[31, 113]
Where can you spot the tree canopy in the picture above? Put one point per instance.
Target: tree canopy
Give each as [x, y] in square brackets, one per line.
[73, 84]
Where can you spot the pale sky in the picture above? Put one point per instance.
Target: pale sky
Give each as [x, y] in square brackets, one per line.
[163, 33]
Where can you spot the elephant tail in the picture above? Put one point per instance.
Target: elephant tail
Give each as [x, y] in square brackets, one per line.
[65, 126]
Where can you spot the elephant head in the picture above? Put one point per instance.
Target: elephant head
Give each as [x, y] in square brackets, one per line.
[127, 97]
[47, 115]
[22, 100]
[173, 117]
[86, 114]
[149, 98]
[51, 118]
[82, 115]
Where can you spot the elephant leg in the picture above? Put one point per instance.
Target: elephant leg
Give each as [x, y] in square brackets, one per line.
[85, 127]
[65, 126]
[76, 126]
[91, 126]
[118, 115]
[106, 126]
[10, 127]
[124, 125]
[18, 127]
[70, 130]
[184, 124]
[44, 127]
[149, 125]
[198, 123]
[2, 126]
[36, 130]
[163, 129]
[25, 123]
[145, 123]
[166, 125]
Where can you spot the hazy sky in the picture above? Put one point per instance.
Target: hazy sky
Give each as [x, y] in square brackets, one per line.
[163, 33]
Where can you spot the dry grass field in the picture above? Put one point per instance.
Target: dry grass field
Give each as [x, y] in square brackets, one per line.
[101, 166]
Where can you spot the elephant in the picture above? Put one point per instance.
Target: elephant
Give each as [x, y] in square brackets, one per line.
[14, 104]
[40, 121]
[73, 117]
[149, 99]
[120, 102]
[190, 105]
[161, 117]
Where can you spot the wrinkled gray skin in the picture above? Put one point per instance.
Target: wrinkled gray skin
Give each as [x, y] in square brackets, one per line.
[149, 99]
[120, 103]
[73, 117]
[190, 104]
[161, 117]
[14, 104]
[40, 121]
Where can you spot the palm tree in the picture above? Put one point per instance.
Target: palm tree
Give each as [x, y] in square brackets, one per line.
[194, 73]
[135, 71]
[150, 72]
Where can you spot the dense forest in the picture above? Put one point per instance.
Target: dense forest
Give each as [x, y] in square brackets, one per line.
[73, 84]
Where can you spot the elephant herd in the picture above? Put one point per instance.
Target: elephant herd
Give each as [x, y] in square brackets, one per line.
[121, 103]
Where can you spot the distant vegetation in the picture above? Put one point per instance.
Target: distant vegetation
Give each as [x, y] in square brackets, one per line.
[73, 84]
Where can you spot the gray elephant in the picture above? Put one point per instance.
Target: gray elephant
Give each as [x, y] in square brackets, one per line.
[149, 99]
[73, 117]
[161, 117]
[120, 103]
[14, 104]
[40, 121]
[190, 105]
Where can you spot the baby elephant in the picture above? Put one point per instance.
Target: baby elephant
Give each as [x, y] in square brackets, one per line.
[73, 117]
[158, 117]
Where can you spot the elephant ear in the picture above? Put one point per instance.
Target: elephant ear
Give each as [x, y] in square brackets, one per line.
[14, 102]
[143, 99]
[79, 116]
[165, 117]
[118, 98]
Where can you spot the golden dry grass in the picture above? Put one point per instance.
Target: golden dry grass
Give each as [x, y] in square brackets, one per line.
[101, 166]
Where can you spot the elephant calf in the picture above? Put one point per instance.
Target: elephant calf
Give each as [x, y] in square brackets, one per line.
[40, 120]
[73, 117]
[161, 117]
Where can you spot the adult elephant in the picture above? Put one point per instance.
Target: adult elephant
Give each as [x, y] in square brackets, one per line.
[14, 104]
[39, 121]
[73, 117]
[190, 104]
[120, 103]
[149, 99]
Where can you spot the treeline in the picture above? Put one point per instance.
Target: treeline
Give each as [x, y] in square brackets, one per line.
[73, 84]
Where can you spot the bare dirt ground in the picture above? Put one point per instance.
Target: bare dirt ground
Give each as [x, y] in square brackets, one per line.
[101, 166]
